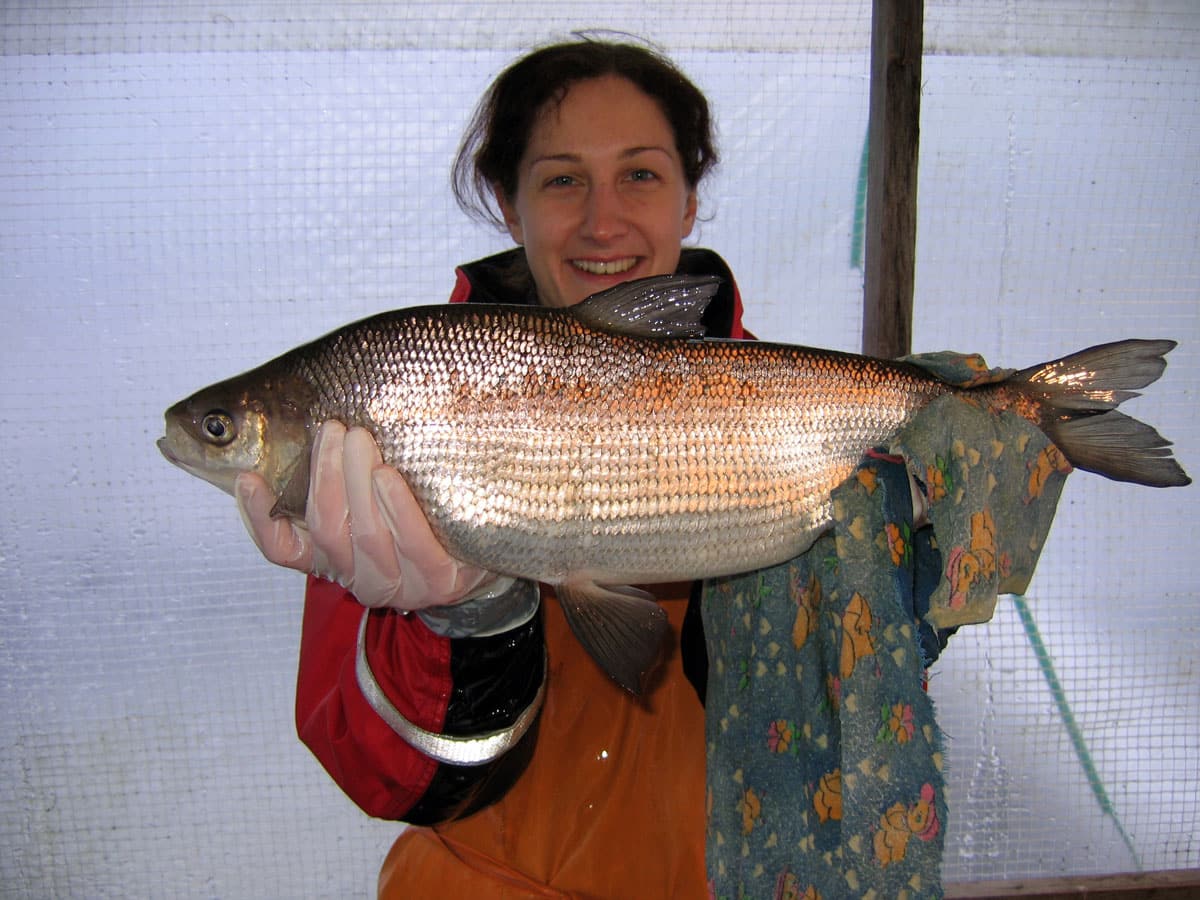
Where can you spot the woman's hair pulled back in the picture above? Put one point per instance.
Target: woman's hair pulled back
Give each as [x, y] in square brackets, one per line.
[495, 140]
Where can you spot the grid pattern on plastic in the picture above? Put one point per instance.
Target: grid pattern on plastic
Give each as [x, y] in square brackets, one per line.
[184, 193]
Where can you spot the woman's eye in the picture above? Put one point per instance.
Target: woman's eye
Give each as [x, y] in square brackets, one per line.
[643, 175]
[560, 181]
[218, 427]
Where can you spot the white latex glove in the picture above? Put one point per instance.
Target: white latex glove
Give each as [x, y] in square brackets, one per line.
[920, 502]
[363, 528]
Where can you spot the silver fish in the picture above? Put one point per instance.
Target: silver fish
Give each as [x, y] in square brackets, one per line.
[607, 444]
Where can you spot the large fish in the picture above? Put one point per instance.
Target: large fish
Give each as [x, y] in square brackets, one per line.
[606, 445]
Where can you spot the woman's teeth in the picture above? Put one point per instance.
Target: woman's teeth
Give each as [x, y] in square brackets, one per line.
[610, 267]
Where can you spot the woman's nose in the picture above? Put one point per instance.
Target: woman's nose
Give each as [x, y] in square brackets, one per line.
[604, 214]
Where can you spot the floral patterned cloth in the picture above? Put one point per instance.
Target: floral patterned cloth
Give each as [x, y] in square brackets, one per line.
[824, 758]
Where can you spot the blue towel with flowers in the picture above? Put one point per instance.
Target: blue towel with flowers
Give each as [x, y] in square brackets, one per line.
[824, 757]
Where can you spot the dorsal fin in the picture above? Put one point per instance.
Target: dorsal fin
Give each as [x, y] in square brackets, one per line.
[659, 306]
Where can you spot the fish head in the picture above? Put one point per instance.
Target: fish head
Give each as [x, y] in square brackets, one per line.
[257, 422]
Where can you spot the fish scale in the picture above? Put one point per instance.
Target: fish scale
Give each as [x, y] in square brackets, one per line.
[604, 445]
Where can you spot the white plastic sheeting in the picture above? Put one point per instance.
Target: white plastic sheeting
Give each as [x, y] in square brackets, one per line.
[186, 190]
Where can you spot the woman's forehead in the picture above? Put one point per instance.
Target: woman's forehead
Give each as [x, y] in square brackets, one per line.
[609, 113]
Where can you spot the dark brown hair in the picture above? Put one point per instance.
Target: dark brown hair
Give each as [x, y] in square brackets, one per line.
[496, 139]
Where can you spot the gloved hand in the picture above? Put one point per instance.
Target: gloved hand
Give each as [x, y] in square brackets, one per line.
[362, 528]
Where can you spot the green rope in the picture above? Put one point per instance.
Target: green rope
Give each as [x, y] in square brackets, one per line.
[1046, 664]
[858, 236]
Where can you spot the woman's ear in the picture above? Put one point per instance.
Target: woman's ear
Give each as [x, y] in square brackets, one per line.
[689, 215]
[512, 221]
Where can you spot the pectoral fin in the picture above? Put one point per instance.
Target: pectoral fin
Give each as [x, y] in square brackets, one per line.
[621, 627]
[293, 499]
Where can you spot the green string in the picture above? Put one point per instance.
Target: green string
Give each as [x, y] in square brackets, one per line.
[858, 236]
[1046, 664]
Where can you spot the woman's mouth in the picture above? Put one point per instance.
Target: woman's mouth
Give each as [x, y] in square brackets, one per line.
[605, 266]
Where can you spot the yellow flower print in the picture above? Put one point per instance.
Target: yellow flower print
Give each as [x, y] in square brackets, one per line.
[897, 542]
[966, 567]
[779, 736]
[856, 634]
[808, 602]
[869, 479]
[828, 799]
[898, 723]
[983, 539]
[750, 806]
[935, 480]
[1044, 465]
[899, 824]
[891, 840]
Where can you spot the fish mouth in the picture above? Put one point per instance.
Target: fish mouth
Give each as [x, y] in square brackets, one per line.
[164, 447]
[221, 478]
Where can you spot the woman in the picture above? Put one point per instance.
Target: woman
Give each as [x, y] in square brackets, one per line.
[592, 154]
[425, 687]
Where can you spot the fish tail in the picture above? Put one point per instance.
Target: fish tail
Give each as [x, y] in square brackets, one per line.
[1079, 395]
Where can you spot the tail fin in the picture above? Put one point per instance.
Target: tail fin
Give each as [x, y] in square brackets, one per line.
[1082, 392]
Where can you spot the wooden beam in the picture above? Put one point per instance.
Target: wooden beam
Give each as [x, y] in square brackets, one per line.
[1182, 884]
[892, 138]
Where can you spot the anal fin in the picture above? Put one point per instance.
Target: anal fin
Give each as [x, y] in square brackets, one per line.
[622, 628]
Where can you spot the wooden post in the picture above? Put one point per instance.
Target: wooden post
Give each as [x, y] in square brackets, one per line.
[892, 139]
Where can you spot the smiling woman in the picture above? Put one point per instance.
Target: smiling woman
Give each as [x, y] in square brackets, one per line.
[594, 174]
[601, 193]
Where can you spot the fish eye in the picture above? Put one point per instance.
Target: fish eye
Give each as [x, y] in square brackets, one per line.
[218, 427]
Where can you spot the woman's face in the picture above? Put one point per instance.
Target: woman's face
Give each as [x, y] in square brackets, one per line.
[601, 195]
